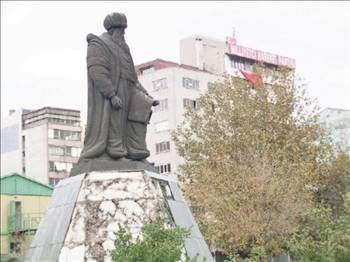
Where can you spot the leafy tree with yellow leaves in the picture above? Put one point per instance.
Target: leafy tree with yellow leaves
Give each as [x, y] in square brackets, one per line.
[254, 156]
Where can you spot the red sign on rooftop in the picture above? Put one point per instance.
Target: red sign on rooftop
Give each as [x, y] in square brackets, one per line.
[257, 55]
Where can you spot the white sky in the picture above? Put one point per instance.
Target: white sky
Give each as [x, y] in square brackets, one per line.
[43, 44]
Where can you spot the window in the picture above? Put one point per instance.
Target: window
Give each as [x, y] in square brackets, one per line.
[190, 83]
[23, 154]
[56, 151]
[60, 167]
[163, 105]
[162, 147]
[159, 84]
[56, 134]
[52, 166]
[164, 168]
[64, 134]
[54, 181]
[75, 151]
[75, 136]
[15, 247]
[51, 133]
[189, 103]
[70, 122]
[68, 151]
[241, 64]
[64, 151]
[237, 64]
[23, 143]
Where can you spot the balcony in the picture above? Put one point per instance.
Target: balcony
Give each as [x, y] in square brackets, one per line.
[24, 222]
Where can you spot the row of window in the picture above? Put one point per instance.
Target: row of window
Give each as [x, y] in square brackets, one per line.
[159, 84]
[60, 166]
[241, 64]
[190, 83]
[187, 82]
[64, 151]
[163, 168]
[162, 147]
[247, 64]
[64, 121]
[163, 104]
[64, 134]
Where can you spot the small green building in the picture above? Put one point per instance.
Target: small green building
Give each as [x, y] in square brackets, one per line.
[23, 203]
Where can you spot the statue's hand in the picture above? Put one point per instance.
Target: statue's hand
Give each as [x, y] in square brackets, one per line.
[155, 103]
[116, 102]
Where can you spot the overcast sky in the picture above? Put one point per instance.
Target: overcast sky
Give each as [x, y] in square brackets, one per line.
[43, 44]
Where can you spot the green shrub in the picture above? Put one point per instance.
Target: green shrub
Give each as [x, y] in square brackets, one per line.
[323, 238]
[157, 244]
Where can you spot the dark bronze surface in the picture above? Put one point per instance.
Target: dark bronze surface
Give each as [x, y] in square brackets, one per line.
[119, 108]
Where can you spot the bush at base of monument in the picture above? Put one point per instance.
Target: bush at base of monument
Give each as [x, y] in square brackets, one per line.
[158, 244]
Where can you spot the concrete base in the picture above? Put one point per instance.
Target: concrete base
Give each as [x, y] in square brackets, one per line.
[87, 210]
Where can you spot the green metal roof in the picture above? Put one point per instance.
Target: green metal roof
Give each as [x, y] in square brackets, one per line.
[16, 184]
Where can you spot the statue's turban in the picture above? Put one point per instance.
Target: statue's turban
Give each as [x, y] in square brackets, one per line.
[115, 20]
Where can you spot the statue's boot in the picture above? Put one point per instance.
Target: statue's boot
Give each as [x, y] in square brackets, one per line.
[138, 154]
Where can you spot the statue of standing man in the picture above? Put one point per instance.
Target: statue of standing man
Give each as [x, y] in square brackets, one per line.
[119, 108]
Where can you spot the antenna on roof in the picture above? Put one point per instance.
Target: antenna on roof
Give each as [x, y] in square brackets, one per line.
[234, 32]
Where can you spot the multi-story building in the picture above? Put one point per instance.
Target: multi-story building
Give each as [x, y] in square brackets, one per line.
[204, 60]
[337, 122]
[42, 144]
[11, 142]
[227, 57]
[176, 87]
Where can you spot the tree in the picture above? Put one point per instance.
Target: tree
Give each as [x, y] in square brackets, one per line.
[253, 157]
[325, 232]
[336, 184]
[323, 237]
[157, 244]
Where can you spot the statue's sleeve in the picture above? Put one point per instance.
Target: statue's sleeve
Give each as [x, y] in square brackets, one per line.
[99, 69]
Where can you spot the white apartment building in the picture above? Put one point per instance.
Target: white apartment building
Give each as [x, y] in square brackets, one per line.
[204, 60]
[176, 87]
[41, 144]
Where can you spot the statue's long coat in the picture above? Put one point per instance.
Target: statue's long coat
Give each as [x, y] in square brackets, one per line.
[109, 130]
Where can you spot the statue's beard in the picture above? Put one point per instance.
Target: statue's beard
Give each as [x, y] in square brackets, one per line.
[118, 36]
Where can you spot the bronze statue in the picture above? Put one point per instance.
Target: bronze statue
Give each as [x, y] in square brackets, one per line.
[119, 108]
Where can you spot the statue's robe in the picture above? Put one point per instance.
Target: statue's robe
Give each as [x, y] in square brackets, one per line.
[117, 133]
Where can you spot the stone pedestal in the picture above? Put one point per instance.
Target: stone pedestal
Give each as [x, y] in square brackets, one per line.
[106, 201]
[87, 210]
